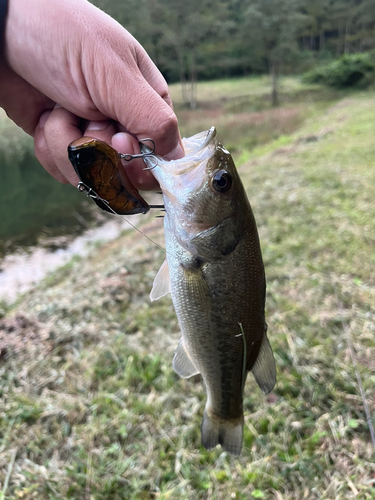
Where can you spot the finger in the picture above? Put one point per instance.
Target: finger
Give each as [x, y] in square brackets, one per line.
[120, 91]
[62, 128]
[102, 130]
[153, 76]
[42, 152]
[140, 178]
[148, 115]
[155, 109]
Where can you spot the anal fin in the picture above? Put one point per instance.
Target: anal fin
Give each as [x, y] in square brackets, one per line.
[182, 364]
[264, 368]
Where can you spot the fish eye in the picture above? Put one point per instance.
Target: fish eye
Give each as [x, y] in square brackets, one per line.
[221, 181]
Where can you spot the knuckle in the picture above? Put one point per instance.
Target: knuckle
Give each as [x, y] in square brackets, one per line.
[167, 127]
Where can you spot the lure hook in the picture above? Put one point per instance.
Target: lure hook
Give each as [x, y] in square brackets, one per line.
[129, 157]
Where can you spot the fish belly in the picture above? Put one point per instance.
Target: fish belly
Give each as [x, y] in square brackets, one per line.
[220, 309]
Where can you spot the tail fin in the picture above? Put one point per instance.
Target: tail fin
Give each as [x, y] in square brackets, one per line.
[228, 433]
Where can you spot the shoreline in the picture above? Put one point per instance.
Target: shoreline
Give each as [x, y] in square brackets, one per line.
[20, 272]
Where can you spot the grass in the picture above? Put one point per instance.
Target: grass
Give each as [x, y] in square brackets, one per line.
[242, 113]
[90, 406]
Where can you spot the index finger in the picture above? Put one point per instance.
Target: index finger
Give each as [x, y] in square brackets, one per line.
[130, 89]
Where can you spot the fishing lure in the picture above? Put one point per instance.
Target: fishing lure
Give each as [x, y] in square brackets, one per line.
[103, 177]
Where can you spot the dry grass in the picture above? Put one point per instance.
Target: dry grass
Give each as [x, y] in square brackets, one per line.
[242, 113]
[94, 411]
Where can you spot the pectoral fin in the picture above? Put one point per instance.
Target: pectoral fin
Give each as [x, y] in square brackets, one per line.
[264, 369]
[182, 363]
[161, 284]
[195, 289]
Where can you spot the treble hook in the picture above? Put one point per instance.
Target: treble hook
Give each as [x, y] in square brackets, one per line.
[129, 157]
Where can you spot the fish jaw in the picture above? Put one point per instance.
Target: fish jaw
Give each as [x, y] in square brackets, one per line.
[186, 175]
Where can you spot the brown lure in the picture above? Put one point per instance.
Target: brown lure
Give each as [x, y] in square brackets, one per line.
[102, 175]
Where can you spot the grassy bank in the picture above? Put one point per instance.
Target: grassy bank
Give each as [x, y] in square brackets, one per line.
[90, 406]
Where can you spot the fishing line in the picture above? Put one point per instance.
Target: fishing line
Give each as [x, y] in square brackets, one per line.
[81, 186]
[147, 153]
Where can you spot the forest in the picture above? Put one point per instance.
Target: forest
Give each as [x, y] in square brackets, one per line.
[207, 39]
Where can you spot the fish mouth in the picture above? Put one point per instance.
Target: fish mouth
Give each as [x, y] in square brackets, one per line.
[198, 148]
[188, 174]
[196, 143]
[211, 135]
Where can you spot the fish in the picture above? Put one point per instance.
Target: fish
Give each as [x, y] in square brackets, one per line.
[215, 274]
[102, 175]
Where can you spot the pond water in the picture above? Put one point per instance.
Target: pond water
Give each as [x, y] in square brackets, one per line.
[32, 203]
[43, 223]
[22, 270]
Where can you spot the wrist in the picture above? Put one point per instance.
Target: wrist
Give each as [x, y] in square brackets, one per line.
[3, 15]
[27, 33]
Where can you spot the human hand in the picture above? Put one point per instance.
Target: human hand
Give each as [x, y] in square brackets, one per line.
[70, 71]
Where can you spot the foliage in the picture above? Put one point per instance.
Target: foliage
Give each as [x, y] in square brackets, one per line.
[90, 405]
[356, 70]
[273, 27]
[216, 38]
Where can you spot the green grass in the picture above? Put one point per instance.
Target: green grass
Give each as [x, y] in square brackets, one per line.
[242, 113]
[90, 404]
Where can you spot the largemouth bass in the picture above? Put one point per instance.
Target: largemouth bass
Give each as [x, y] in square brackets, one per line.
[214, 271]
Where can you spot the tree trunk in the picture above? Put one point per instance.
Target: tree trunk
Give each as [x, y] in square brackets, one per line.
[182, 77]
[338, 39]
[193, 83]
[274, 76]
[312, 42]
[321, 41]
[361, 29]
[347, 33]
[188, 87]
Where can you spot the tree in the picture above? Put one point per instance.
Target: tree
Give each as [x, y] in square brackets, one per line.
[317, 23]
[184, 38]
[188, 32]
[273, 26]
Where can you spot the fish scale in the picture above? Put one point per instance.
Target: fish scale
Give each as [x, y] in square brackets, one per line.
[214, 271]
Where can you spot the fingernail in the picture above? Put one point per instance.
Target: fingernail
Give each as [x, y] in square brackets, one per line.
[123, 143]
[43, 118]
[100, 125]
[119, 135]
